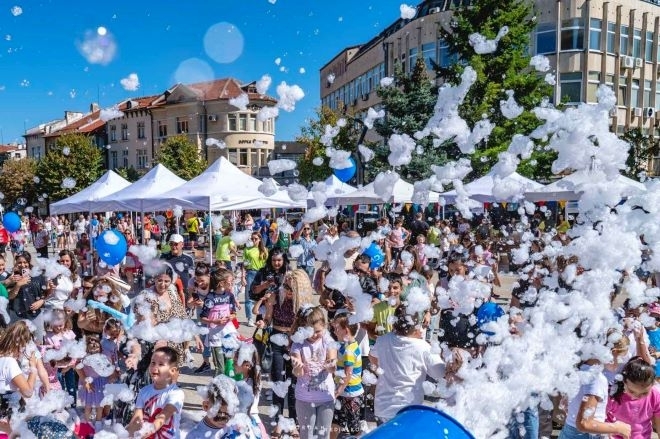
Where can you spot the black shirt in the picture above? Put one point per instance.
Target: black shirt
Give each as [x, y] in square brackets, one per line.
[27, 295]
[181, 265]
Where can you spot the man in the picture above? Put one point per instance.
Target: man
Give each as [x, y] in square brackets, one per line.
[80, 226]
[181, 263]
[418, 227]
[83, 247]
[192, 225]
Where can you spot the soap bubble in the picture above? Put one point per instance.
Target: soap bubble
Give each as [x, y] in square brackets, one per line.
[223, 42]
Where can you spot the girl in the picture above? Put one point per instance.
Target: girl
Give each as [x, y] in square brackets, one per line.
[397, 239]
[200, 287]
[91, 383]
[12, 345]
[314, 361]
[57, 331]
[250, 372]
[636, 401]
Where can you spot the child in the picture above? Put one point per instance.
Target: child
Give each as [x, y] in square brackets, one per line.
[58, 330]
[313, 360]
[349, 391]
[91, 384]
[200, 285]
[249, 371]
[217, 312]
[158, 405]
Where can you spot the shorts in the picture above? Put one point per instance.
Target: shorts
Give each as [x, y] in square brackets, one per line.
[192, 237]
[349, 414]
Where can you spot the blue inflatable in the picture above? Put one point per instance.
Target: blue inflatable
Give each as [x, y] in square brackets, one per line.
[488, 312]
[347, 173]
[94, 222]
[420, 422]
[111, 246]
[376, 254]
[12, 222]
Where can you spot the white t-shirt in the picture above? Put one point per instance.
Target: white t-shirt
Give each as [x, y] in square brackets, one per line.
[594, 383]
[152, 401]
[62, 292]
[204, 430]
[9, 369]
[405, 362]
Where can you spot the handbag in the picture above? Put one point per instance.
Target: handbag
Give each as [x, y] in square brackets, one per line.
[261, 341]
[267, 359]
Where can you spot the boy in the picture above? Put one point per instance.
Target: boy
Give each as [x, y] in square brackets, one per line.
[158, 405]
[349, 391]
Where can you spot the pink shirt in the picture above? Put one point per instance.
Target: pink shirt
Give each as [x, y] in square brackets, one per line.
[638, 413]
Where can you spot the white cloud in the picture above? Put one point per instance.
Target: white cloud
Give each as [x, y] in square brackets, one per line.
[131, 82]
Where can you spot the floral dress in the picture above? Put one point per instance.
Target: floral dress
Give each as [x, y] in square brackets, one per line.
[176, 311]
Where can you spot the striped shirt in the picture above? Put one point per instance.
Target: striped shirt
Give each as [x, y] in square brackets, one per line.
[350, 356]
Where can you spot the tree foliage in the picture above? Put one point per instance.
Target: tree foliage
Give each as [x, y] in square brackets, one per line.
[310, 135]
[182, 157]
[643, 147]
[74, 156]
[129, 174]
[505, 69]
[17, 180]
[409, 103]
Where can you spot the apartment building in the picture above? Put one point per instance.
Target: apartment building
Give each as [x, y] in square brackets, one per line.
[35, 137]
[129, 143]
[588, 42]
[12, 152]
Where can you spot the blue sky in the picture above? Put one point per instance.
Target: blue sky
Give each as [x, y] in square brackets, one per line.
[43, 73]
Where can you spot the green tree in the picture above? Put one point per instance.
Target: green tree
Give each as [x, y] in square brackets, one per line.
[17, 180]
[408, 104]
[73, 157]
[182, 156]
[505, 69]
[129, 174]
[310, 136]
[643, 147]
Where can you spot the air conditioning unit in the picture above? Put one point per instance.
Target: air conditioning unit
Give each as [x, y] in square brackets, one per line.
[213, 117]
[434, 10]
[639, 63]
[657, 115]
[627, 62]
[649, 112]
[638, 112]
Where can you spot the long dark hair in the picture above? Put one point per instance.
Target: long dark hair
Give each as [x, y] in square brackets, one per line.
[277, 251]
[636, 371]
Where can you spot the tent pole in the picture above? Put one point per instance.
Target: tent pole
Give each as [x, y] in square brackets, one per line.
[91, 243]
[210, 235]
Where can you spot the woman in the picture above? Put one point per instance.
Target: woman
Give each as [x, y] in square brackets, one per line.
[254, 259]
[248, 222]
[27, 294]
[12, 348]
[132, 263]
[106, 292]
[280, 314]
[306, 260]
[162, 303]
[65, 286]
[269, 279]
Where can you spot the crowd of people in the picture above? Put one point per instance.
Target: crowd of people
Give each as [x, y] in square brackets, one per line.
[344, 338]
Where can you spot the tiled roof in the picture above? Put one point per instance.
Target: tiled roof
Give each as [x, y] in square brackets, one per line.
[226, 88]
[86, 124]
[8, 148]
[140, 103]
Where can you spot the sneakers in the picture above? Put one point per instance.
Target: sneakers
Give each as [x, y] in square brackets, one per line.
[251, 323]
[205, 367]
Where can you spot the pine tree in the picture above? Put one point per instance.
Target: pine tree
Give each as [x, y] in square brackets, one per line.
[408, 103]
[643, 147]
[73, 157]
[505, 69]
[182, 156]
[310, 135]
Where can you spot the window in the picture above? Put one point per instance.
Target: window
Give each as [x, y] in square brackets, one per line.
[657, 99]
[648, 49]
[140, 128]
[634, 96]
[252, 122]
[592, 86]
[124, 157]
[233, 122]
[637, 43]
[428, 53]
[611, 36]
[412, 59]
[243, 157]
[571, 87]
[232, 155]
[124, 131]
[254, 158]
[162, 129]
[181, 125]
[647, 93]
[572, 34]
[622, 97]
[113, 133]
[546, 38]
[445, 58]
[595, 27]
[113, 159]
[242, 122]
[623, 45]
[264, 156]
[141, 158]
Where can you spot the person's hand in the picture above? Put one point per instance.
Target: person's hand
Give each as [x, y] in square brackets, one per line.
[15, 277]
[33, 360]
[261, 324]
[222, 320]
[131, 362]
[198, 344]
[622, 429]
[23, 280]
[297, 362]
[51, 284]
[89, 387]
[36, 305]
[330, 304]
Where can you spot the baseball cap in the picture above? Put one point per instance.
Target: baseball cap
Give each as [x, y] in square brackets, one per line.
[176, 238]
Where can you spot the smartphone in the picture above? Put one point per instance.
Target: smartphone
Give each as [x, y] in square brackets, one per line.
[25, 272]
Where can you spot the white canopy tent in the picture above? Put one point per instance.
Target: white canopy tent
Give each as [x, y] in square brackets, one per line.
[84, 201]
[402, 193]
[481, 189]
[568, 188]
[222, 186]
[155, 182]
[333, 188]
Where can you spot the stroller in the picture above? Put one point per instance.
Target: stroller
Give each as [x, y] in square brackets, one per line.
[135, 379]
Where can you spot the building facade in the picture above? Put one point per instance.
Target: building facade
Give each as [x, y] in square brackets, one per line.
[35, 137]
[130, 140]
[588, 43]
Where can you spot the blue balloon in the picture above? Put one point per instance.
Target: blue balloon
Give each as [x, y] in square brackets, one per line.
[94, 222]
[416, 421]
[12, 222]
[376, 254]
[120, 215]
[488, 312]
[346, 174]
[111, 246]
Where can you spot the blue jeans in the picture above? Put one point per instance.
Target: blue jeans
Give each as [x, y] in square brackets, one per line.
[249, 279]
[69, 382]
[524, 425]
[569, 432]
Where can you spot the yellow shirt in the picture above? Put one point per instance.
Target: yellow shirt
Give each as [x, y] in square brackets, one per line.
[192, 225]
[382, 313]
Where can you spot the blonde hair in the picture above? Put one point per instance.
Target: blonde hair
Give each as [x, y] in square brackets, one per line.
[15, 339]
[301, 287]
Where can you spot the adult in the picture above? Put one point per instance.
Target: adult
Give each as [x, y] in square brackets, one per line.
[418, 227]
[263, 227]
[13, 342]
[80, 226]
[192, 226]
[103, 290]
[254, 259]
[41, 241]
[181, 263]
[405, 359]
[65, 286]
[226, 248]
[4, 240]
[27, 294]
[83, 251]
[131, 262]
[279, 237]
[306, 260]
[248, 222]
[269, 279]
